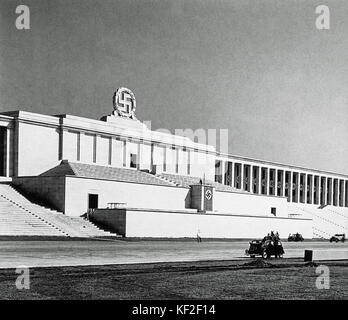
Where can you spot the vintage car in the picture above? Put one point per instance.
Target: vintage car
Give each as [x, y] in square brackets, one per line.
[295, 237]
[265, 248]
[338, 237]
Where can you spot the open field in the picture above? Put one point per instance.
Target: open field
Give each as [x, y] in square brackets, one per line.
[73, 253]
[252, 279]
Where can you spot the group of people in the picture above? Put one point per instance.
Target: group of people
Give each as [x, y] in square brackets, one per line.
[272, 236]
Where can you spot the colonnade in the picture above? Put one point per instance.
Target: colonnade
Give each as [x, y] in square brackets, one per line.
[302, 186]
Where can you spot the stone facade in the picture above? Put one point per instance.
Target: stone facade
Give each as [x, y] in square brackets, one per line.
[34, 143]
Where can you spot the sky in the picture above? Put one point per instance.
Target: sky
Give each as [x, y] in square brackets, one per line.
[260, 69]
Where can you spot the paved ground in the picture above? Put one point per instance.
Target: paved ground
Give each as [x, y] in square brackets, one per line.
[73, 253]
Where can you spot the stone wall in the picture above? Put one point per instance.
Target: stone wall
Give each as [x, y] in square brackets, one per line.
[133, 194]
[113, 220]
[47, 191]
[162, 224]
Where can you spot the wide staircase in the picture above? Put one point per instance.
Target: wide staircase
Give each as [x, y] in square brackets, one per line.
[186, 181]
[327, 220]
[20, 217]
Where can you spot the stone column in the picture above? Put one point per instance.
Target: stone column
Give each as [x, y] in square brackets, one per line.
[61, 144]
[151, 157]
[95, 141]
[312, 200]
[339, 196]
[139, 151]
[337, 188]
[223, 168]
[232, 174]
[341, 184]
[236, 171]
[177, 159]
[124, 149]
[242, 176]
[319, 190]
[8, 153]
[283, 183]
[78, 151]
[297, 187]
[290, 187]
[330, 189]
[249, 184]
[344, 194]
[305, 188]
[324, 187]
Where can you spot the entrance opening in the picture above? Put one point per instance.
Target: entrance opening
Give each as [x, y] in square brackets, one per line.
[133, 160]
[92, 201]
[274, 211]
[218, 171]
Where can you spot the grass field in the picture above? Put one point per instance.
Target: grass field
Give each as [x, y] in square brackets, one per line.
[282, 279]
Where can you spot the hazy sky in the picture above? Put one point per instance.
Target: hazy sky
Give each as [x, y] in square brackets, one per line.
[258, 68]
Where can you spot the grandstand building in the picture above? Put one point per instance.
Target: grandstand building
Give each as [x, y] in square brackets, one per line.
[136, 182]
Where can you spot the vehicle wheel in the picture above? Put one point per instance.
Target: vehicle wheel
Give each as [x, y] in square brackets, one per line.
[264, 255]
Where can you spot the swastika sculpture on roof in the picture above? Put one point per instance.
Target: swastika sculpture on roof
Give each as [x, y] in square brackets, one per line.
[124, 103]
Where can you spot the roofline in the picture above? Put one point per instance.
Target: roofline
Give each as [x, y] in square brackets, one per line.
[9, 115]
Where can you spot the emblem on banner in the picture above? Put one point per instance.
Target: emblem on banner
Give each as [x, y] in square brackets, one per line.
[208, 194]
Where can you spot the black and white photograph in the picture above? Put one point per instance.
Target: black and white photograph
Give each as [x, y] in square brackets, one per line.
[173, 154]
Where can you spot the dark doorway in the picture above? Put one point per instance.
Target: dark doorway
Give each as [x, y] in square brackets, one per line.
[133, 160]
[92, 201]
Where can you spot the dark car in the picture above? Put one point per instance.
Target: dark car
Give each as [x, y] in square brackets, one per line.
[295, 237]
[338, 237]
[265, 248]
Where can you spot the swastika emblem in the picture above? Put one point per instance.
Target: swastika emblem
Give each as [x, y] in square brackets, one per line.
[208, 194]
[124, 103]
